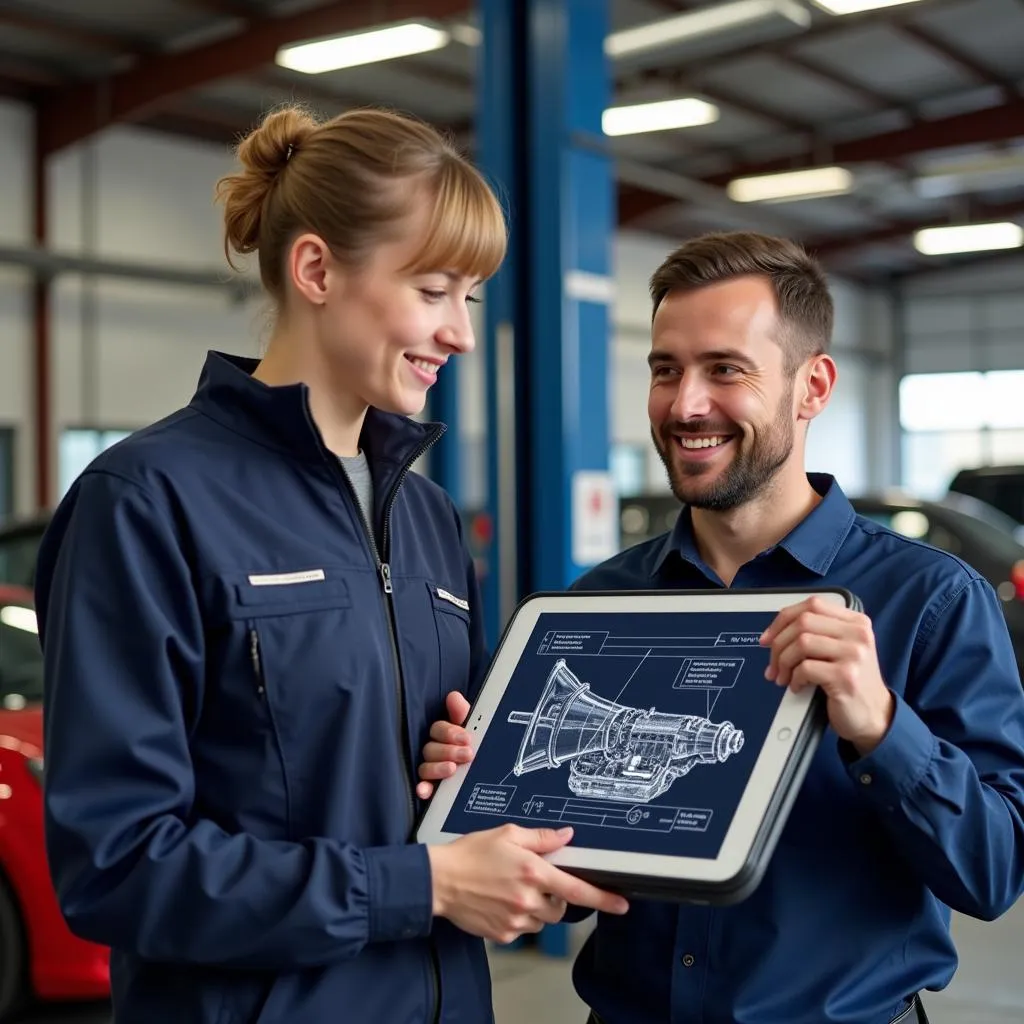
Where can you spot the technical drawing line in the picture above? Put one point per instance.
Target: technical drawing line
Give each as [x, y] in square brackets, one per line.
[630, 679]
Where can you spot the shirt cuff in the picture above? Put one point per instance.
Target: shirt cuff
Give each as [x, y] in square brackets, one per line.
[400, 892]
[897, 764]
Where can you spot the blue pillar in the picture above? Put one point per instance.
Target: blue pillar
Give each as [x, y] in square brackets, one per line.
[544, 83]
[572, 209]
[543, 86]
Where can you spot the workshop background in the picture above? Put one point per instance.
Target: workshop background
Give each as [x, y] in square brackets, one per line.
[888, 135]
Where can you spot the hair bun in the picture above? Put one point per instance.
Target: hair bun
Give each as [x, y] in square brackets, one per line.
[266, 150]
[263, 154]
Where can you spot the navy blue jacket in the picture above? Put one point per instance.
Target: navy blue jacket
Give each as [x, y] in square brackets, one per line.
[239, 683]
[852, 917]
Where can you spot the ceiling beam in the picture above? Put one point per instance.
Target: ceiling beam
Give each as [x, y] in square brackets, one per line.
[228, 8]
[873, 97]
[78, 35]
[830, 247]
[683, 82]
[77, 112]
[822, 29]
[978, 127]
[956, 56]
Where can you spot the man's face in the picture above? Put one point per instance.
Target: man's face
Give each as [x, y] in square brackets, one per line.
[721, 401]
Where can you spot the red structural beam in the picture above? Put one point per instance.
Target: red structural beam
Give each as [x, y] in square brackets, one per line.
[979, 214]
[979, 127]
[78, 111]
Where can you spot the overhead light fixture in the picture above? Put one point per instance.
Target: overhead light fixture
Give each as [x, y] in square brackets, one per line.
[841, 7]
[813, 183]
[945, 241]
[660, 116]
[18, 617]
[665, 32]
[378, 44]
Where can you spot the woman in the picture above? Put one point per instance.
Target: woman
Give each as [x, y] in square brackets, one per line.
[251, 612]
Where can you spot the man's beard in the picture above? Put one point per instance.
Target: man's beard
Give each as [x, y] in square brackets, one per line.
[747, 474]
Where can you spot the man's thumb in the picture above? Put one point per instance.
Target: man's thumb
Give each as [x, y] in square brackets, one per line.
[544, 840]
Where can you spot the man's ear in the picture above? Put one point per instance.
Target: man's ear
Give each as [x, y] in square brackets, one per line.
[814, 386]
[309, 267]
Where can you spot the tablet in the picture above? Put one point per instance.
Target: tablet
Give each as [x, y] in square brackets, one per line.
[644, 720]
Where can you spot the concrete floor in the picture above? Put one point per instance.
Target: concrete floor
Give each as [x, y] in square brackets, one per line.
[531, 989]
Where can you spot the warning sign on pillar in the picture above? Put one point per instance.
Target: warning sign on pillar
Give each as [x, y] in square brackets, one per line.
[595, 517]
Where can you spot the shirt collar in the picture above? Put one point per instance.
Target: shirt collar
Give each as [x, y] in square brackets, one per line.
[279, 417]
[813, 542]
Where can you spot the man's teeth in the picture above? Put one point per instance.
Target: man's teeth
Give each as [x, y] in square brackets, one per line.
[702, 442]
[424, 365]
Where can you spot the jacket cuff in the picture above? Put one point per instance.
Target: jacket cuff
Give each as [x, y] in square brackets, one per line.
[897, 764]
[400, 892]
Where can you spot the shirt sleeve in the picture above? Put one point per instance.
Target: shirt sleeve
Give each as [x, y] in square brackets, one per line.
[133, 865]
[948, 779]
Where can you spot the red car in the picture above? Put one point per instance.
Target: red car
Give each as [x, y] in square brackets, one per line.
[38, 954]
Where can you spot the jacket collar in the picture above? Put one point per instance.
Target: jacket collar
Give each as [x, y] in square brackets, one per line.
[813, 542]
[279, 417]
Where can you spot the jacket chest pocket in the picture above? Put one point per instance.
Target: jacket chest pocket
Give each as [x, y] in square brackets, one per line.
[309, 654]
[451, 620]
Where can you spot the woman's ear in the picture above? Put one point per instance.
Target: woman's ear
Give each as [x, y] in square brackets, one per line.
[817, 382]
[309, 269]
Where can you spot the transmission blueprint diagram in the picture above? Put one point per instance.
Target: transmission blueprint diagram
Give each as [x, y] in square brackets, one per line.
[638, 730]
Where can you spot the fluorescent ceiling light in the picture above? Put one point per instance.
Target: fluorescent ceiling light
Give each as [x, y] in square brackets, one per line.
[665, 32]
[657, 117]
[402, 40]
[840, 7]
[18, 617]
[816, 182]
[968, 238]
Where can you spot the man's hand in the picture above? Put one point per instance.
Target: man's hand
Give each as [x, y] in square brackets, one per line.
[449, 746]
[819, 643]
[497, 884]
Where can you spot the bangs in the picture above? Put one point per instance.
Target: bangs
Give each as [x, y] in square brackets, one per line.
[466, 233]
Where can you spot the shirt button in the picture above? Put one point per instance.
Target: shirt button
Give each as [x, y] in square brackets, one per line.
[866, 779]
[688, 960]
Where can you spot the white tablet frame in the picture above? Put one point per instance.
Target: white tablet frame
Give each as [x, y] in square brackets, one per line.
[788, 730]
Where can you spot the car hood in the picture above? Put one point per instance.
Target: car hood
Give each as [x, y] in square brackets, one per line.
[22, 730]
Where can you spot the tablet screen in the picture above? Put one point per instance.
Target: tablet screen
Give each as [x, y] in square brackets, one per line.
[639, 730]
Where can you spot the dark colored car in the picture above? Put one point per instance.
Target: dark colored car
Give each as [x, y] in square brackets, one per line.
[973, 531]
[19, 544]
[1002, 487]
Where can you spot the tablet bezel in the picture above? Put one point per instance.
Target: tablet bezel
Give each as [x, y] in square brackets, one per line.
[779, 761]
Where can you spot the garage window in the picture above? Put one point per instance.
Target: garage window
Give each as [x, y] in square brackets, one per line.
[954, 421]
[79, 446]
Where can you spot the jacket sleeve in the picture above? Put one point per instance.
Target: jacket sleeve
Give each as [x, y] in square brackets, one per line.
[134, 863]
[948, 779]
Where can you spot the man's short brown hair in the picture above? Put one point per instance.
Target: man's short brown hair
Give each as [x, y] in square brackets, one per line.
[801, 287]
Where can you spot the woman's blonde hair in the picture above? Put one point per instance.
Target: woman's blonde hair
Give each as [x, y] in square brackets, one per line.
[353, 180]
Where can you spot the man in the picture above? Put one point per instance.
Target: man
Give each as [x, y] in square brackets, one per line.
[914, 803]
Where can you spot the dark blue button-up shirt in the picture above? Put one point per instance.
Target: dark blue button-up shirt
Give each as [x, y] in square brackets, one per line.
[852, 917]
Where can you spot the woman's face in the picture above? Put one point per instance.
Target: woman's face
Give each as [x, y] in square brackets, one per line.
[386, 333]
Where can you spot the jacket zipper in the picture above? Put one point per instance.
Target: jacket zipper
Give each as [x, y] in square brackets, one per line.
[384, 569]
[257, 662]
